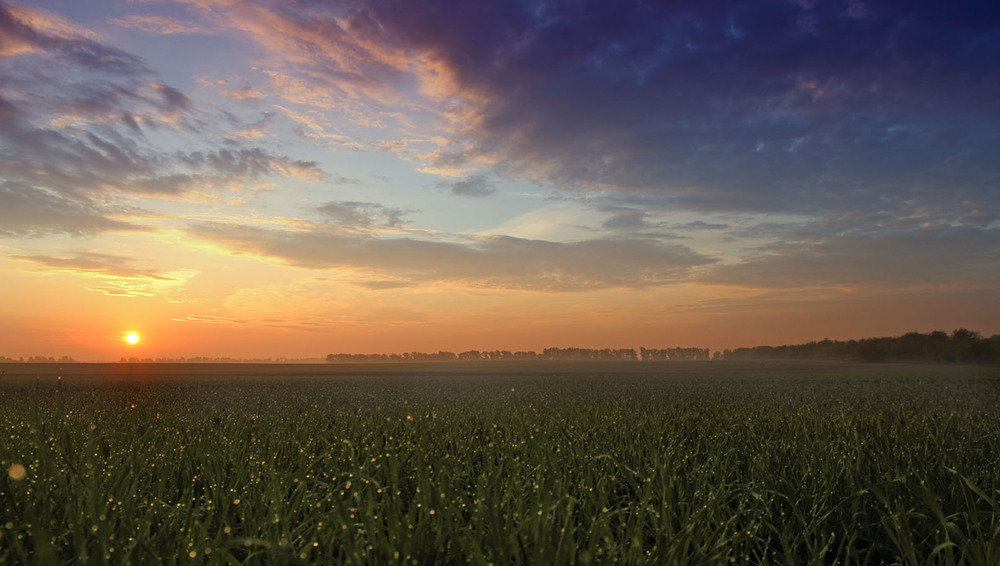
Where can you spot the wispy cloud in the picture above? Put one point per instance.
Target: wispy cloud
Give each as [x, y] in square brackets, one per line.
[116, 275]
[253, 162]
[93, 263]
[387, 284]
[208, 319]
[912, 258]
[487, 262]
[363, 214]
[164, 25]
[76, 116]
[472, 186]
[27, 30]
[27, 211]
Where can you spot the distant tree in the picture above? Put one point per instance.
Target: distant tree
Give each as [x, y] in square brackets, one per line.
[963, 345]
[873, 350]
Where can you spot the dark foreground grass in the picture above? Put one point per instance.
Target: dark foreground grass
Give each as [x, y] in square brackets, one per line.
[706, 463]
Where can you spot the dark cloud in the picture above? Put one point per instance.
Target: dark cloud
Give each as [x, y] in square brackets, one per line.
[157, 24]
[164, 185]
[910, 258]
[48, 180]
[817, 108]
[363, 214]
[94, 263]
[80, 164]
[491, 262]
[73, 115]
[472, 186]
[171, 99]
[67, 164]
[385, 285]
[128, 120]
[769, 106]
[54, 173]
[701, 225]
[83, 52]
[627, 219]
[26, 211]
[252, 162]
[649, 221]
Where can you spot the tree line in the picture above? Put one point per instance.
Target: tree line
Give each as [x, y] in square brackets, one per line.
[39, 359]
[575, 354]
[961, 346]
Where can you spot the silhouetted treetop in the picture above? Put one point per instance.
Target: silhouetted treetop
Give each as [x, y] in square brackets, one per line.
[961, 346]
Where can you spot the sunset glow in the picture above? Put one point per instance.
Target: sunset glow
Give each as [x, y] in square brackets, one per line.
[132, 338]
[254, 178]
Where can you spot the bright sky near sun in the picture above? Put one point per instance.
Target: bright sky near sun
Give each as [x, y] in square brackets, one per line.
[257, 178]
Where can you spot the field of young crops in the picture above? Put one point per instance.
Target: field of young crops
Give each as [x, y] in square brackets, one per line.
[503, 463]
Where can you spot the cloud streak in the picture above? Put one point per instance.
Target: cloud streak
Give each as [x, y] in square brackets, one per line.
[940, 256]
[163, 25]
[363, 214]
[489, 262]
[116, 275]
[27, 211]
[93, 263]
[26, 30]
[472, 186]
[75, 121]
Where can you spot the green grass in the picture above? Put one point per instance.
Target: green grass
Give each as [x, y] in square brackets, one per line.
[538, 463]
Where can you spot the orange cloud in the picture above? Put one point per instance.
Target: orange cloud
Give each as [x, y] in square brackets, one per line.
[48, 22]
[116, 276]
[164, 25]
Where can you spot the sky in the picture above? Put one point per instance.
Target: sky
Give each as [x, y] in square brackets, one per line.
[264, 178]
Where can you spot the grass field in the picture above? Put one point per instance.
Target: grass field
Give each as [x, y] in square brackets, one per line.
[504, 463]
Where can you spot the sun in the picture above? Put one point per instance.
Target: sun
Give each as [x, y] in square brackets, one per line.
[132, 338]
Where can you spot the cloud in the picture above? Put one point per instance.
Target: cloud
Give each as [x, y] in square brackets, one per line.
[115, 274]
[702, 225]
[27, 211]
[383, 285]
[46, 22]
[172, 100]
[627, 219]
[488, 262]
[93, 263]
[208, 319]
[60, 133]
[255, 130]
[24, 31]
[56, 175]
[937, 256]
[313, 126]
[765, 107]
[67, 162]
[76, 118]
[363, 214]
[164, 25]
[472, 186]
[252, 162]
